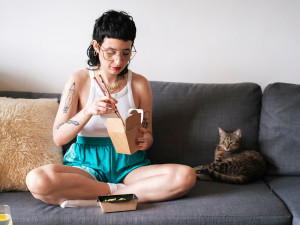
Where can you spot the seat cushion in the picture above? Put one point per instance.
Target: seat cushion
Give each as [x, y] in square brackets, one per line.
[280, 128]
[287, 188]
[207, 203]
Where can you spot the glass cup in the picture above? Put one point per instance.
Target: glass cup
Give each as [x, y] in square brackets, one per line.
[5, 216]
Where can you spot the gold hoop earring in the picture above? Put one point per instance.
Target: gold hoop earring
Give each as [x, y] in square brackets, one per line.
[95, 53]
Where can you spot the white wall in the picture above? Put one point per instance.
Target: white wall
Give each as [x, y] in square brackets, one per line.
[203, 41]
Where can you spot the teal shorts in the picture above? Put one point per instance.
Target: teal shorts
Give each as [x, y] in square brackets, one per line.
[98, 157]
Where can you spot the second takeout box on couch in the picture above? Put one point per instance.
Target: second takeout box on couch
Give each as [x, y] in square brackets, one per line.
[118, 203]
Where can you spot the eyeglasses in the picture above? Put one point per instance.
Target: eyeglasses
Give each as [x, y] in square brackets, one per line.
[111, 54]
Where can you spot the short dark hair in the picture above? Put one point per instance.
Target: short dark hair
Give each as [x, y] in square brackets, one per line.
[111, 24]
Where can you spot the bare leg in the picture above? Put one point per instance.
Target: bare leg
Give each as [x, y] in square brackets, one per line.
[159, 182]
[54, 184]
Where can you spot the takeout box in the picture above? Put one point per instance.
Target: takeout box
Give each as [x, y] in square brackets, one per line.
[124, 138]
[117, 203]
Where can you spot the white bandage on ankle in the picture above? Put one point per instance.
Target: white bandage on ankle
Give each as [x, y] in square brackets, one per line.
[112, 187]
[115, 187]
[121, 185]
[79, 203]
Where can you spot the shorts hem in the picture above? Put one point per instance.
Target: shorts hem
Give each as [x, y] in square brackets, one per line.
[121, 178]
[87, 172]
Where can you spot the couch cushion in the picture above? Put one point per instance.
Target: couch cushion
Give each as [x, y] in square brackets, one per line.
[186, 118]
[287, 188]
[25, 139]
[207, 203]
[31, 95]
[35, 95]
[280, 128]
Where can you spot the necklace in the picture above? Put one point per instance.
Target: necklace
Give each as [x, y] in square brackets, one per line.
[109, 88]
[107, 91]
[114, 87]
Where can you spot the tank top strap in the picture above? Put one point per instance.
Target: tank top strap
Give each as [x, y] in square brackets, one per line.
[130, 95]
[93, 88]
[96, 92]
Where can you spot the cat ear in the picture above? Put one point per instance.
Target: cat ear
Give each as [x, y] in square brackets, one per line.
[238, 133]
[221, 131]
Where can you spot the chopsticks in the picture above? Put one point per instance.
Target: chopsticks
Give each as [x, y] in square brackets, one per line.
[116, 109]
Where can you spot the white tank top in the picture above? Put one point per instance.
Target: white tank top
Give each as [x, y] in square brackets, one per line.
[96, 126]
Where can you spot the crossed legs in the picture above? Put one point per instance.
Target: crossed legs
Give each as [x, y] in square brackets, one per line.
[159, 182]
[54, 184]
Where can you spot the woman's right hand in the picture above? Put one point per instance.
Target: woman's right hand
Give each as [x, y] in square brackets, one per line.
[102, 105]
[70, 117]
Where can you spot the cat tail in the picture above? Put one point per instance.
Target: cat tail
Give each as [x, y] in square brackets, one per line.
[216, 176]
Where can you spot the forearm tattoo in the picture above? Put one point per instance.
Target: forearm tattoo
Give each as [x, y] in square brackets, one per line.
[86, 112]
[75, 123]
[69, 98]
[146, 120]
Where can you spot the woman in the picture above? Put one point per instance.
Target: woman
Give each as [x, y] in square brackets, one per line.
[92, 167]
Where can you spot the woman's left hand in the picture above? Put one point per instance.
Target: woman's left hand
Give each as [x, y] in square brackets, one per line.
[145, 141]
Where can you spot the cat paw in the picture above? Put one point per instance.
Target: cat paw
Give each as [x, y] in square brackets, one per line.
[203, 177]
[205, 172]
[198, 168]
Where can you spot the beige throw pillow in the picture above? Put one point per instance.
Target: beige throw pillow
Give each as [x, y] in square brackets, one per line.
[26, 140]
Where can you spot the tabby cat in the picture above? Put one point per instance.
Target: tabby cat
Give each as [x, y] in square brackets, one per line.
[232, 164]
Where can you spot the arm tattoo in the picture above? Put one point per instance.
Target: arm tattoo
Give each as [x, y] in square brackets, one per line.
[86, 112]
[69, 98]
[75, 123]
[146, 119]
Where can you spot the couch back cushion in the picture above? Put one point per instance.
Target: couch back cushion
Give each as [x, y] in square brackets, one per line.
[280, 128]
[30, 95]
[186, 118]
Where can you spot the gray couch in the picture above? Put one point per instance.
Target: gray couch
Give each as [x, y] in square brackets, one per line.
[185, 121]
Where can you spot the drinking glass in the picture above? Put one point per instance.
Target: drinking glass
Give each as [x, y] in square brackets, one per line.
[5, 216]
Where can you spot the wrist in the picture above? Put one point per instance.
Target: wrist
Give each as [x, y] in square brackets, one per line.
[150, 138]
[87, 112]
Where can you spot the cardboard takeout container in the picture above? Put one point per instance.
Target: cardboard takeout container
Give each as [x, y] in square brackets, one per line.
[117, 203]
[124, 138]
